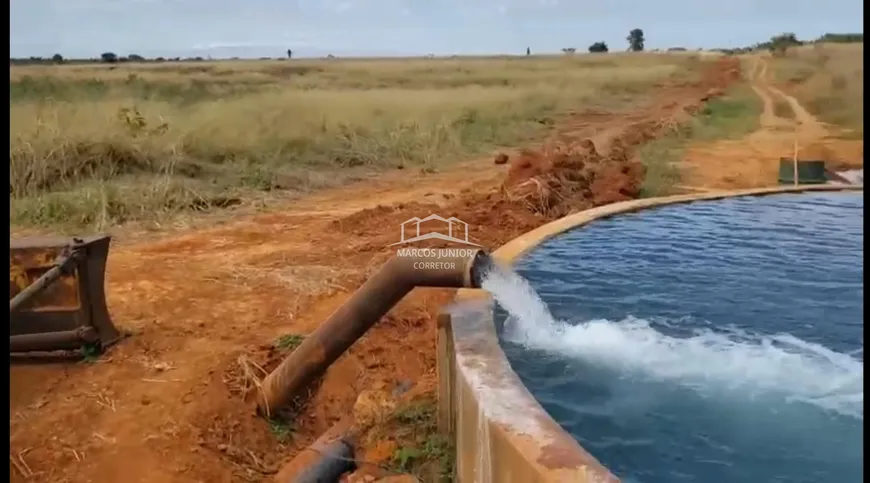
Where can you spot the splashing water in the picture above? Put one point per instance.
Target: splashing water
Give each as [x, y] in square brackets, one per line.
[853, 176]
[732, 359]
[743, 360]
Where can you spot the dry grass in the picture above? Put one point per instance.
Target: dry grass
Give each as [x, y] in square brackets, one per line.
[94, 146]
[829, 80]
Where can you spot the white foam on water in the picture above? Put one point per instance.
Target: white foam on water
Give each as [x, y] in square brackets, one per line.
[778, 364]
[853, 176]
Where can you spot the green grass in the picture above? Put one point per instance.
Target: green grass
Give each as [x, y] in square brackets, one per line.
[289, 342]
[731, 116]
[282, 429]
[423, 451]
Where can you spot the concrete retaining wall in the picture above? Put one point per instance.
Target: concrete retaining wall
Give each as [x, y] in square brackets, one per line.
[502, 433]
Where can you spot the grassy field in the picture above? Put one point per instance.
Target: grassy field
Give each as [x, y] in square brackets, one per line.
[829, 80]
[93, 146]
[731, 116]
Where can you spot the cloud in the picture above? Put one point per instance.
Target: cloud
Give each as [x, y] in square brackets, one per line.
[223, 45]
[338, 6]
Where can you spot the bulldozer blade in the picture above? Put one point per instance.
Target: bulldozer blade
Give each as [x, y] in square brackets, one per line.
[57, 294]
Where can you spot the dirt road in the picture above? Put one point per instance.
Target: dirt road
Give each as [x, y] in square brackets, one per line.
[166, 405]
[754, 160]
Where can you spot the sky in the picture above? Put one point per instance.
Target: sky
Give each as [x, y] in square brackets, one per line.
[314, 28]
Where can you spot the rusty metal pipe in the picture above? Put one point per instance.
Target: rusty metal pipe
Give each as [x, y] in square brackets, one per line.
[365, 307]
[53, 341]
[336, 460]
[329, 457]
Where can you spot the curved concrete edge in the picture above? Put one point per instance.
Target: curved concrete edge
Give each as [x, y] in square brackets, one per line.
[502, 433]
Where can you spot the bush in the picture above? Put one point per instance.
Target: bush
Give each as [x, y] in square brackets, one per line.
[598, 47]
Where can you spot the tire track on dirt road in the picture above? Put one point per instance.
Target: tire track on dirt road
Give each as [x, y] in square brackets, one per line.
[807, 125]
[802, 124]
[757, 78]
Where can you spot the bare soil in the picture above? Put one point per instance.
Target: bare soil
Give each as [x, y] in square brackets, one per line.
[205, 307]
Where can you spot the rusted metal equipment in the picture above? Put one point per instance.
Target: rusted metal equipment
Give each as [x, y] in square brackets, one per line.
[455, 268]
[57, 300]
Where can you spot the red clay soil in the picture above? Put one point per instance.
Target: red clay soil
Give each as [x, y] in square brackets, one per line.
[168, 404]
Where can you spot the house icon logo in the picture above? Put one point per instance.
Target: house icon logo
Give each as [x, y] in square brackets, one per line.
[454, 226]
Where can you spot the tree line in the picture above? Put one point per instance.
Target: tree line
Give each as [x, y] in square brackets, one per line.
[113, 58]
[777, 44]
[105, 58]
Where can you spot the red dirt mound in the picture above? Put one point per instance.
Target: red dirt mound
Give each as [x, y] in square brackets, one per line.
[562, 178]
[569, 172]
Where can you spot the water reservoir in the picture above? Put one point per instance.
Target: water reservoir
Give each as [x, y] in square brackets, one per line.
[713, 342]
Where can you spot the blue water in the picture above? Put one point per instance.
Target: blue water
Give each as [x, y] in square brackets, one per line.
[714, 342]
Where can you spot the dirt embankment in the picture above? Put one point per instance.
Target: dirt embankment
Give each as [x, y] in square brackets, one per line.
[589, 162]
[168, 404]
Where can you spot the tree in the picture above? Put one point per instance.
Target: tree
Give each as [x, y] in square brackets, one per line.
[779, 44]
[135, 58]
[598, 47]
[635, 40]
[569, 50]
[289, 54]
[57, 59]
[528, 51]
[787, 38]
[109, 57]
[842, 38]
